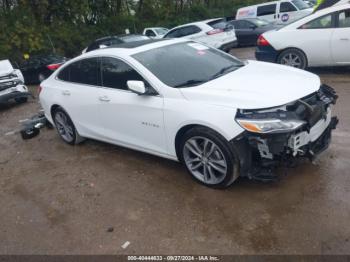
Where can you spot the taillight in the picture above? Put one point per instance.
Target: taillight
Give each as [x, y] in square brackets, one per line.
[53, 67]
[39, 89]
[215, 31]
[262, 41]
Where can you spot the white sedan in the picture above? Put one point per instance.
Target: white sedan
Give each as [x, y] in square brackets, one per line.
[321, 39]
[181, 100]
[213, 32]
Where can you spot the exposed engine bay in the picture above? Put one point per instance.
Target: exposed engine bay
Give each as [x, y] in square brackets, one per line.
[279, 136]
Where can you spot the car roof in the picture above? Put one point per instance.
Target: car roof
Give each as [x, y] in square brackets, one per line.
[147, 28]
[128, 49]
[106, 38]
[205, 22]
[136, 44]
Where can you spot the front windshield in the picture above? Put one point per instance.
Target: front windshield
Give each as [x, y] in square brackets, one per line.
[259, 22]
[187, 64]
[161, 31]
[300, 4]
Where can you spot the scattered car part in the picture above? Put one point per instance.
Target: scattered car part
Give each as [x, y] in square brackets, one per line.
[31, 127]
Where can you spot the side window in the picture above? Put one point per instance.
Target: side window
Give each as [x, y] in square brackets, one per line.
[173, 34]
[287, 7]
[344, 18]
[85, 71]
[190, 30]
[64, 74]
[235, 24]
[267, 10]
[150, 33]
[319, 23]
[116, 41]
[247, 25]
[116, 73]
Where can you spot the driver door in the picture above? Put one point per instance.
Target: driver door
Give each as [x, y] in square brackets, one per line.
[127, 118]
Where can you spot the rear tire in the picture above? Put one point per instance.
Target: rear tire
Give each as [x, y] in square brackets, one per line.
[209, 158]
[65, 127]
[293, 57]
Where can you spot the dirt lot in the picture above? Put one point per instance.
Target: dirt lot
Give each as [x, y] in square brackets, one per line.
[58, 199]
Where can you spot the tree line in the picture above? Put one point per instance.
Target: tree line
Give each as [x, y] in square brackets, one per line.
[67, 26]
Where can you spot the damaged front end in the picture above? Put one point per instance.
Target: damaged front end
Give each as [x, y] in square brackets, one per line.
[11, 83]
[279, 136]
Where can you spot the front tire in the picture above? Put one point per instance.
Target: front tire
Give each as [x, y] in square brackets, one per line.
[65, 127]
[209, 158]
[293, 57]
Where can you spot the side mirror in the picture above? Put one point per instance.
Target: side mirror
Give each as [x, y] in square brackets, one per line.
[253, 27]
[137, 87]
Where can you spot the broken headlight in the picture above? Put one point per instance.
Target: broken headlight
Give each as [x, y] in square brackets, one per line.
[263, 126]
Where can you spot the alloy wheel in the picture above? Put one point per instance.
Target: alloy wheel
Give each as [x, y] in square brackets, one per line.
[205, 160]
[291, 59]
[65, 129]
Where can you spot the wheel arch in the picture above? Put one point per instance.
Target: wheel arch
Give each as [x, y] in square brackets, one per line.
[181, 132]
[292, 47]
[53, 108]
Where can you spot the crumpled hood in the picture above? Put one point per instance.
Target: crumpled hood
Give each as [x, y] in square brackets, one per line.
[257, 85]
[5, 67]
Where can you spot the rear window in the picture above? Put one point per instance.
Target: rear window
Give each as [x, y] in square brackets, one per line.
[267, 10]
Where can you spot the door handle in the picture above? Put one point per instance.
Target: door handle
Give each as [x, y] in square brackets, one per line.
[66, 92]
[344, 39]
[104, 99]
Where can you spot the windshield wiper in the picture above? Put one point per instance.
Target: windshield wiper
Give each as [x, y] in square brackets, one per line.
[192, 82]
[225, 70]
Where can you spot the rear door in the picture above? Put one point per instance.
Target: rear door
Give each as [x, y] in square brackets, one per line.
[340, 43]
[78, 95]
[267, 12]
[317, 35]
[125, 117]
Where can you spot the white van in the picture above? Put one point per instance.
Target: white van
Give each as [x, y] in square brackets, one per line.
[285, 11]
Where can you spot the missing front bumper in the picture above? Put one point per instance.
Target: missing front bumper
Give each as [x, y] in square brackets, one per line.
[261, 155]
